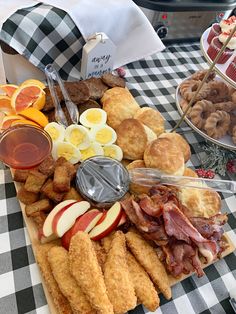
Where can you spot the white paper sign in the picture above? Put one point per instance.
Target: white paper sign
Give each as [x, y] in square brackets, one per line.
[98, 56]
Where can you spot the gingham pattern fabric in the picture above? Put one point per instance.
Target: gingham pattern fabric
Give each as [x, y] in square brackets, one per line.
[152, 82]
[44, 34]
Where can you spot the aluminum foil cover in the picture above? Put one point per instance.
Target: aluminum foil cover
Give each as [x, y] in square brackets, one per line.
[102, 180]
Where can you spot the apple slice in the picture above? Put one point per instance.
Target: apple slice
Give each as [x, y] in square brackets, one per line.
[123, 219]
[47, 226]
[66, 217]
[107, 222]
[83, 223]
[44, 239]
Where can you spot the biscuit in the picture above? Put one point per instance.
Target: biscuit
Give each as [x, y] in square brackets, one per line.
[188, 172]
[119, 105]
[164, 156]
[152, 119]
[132, 139]
[179, 141]
[136, 164]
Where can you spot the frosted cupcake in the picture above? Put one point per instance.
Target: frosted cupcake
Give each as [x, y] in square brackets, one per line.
[231, 70]
[217, 43]
[228, 25]
[215, 31]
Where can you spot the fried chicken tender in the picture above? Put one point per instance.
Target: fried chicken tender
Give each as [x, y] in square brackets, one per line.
[61, 303]
[147, 257]
[87, 272]
[59, 261]
[143, 286]
[100, 253]
[119, 285]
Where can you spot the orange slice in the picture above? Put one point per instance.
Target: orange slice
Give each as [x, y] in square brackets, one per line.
[35, 115]
[24, 121]
[34, 82]
[5, 105]
[9, 89]
[7, 121]
[25, 96]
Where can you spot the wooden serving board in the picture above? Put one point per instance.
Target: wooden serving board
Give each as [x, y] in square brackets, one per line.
[33, 234]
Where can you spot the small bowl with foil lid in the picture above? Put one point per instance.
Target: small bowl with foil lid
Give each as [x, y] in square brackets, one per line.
[102, 180]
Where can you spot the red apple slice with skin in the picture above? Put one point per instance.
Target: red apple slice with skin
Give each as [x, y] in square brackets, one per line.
[44, 239]
[107, 223]
[66, 217]
[123, 219]
[47, 226]
[83, 223]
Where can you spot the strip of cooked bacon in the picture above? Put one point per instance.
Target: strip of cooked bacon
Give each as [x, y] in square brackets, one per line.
[210, 228]
[182, 258]
[150, 206]
[179, 226]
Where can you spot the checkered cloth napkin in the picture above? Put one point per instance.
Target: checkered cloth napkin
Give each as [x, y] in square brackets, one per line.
[153, 82]
[44, 34]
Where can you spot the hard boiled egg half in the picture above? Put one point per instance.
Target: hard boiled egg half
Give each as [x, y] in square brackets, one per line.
[103, 135]
[93, 117]
[56, 131]
[77, 135]
[67, 150]
[113, 151]
[94, 149]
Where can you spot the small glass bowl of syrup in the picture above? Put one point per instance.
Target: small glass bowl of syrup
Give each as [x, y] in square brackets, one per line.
[24, 146]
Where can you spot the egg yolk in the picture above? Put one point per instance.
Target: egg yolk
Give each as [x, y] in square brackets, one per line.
[66, 152]
[94, 116]
[109, 152]
[86, 153]
[76, 137]
[53, 132]
[103, 136]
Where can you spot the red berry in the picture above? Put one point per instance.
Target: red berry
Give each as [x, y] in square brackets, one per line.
[121, 72]
[210, 174]
[201, 172]
[231, 166]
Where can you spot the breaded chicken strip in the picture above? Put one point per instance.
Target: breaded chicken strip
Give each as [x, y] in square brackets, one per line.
[147, 257]
[106, 242]
[87, 272]
[61, 303]
[119, 285]
[100, 253]
[58, 258]
[143, 286]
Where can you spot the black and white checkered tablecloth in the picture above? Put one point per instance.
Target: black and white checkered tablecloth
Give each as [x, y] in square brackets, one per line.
[153, 82]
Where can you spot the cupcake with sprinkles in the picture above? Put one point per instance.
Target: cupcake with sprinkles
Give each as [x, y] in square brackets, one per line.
[214, 31]
[228, 25]
[231, 70]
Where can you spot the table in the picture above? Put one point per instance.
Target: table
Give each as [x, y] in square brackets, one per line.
[152, 82]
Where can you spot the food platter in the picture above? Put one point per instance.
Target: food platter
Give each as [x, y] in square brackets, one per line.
[33, 235]
[220, 68]
[225, 141]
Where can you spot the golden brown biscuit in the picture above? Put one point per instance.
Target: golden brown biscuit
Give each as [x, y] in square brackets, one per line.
[179, 141]
[136, 164]
[151, 118]
[132, 139]
[164, 156]
[188, 172]
[200, 203]
[119, 105]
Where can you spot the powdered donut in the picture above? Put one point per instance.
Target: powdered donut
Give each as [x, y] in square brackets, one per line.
[199, 75]
[200, 112]
[219, 92]
[188, 88]
[217, 124]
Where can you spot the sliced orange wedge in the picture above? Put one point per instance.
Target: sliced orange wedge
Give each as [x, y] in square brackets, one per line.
[5, 105]
[9, 89]
[24, 121]
[26, 95]
[34, 115]
[34, 82]
[7, 121]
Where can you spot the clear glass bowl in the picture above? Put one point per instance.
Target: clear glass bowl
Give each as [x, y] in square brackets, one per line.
[24, 146]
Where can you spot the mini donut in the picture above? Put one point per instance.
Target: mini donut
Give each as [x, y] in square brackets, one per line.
[217, 124]
[184, 104]
[232, 123]
[225, 106]
[219, 92]
[199, 75]
[188, 88]
[200, 112]
[234, 134]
